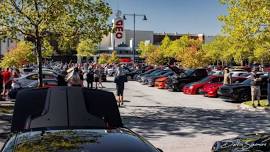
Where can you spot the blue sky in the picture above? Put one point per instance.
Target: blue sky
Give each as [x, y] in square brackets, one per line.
[181, 16]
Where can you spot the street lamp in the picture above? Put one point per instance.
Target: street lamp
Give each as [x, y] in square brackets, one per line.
[134, 23]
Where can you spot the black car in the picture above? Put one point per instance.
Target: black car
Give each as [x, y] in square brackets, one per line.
[70, 119]
[244, 143]
[139, 77]
[177, 82]
[133, 74]
[240, 92]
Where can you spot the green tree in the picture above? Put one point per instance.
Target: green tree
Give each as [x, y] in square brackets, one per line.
[103, 59]
[218, 50]
[86, 48]
[114, 58]
[243, 25]
[38, 19]
[18, 56]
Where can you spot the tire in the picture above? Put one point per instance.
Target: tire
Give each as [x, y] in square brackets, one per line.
[244, 97]
[129, 78]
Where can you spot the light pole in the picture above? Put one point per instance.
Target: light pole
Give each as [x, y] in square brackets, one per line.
[134, 25]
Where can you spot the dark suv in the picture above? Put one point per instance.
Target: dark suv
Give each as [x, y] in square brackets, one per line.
[177, 82]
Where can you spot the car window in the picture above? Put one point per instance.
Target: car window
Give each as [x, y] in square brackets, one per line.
[32, 77]
[48, 76]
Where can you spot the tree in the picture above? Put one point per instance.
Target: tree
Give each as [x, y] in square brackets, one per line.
[103, 59]
[114, 58]
[86, 48]
[18, 56]
[243, 25]
[218, 50]
[39, 19]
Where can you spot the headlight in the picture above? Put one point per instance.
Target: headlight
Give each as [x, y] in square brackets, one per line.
[191, 87]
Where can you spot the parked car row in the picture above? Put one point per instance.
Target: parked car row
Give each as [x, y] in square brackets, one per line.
[200, 81]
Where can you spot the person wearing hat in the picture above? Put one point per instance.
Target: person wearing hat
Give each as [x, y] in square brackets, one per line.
[255, 87]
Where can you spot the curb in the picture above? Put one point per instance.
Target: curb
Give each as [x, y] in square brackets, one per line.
[250, 108]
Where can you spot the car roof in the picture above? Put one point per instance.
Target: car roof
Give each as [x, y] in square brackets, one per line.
[115, 140]
[65, 107]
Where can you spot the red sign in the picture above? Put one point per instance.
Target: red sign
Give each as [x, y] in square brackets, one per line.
[119, 27]
[126, 60]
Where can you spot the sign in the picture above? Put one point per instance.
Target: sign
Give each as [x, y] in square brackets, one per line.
[118, 37]
[119, 28]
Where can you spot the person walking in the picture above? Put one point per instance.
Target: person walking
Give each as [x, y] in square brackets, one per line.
[75, 79]
[96, 76]
[255, 88]
[101, 73]
[120, 79]
[90, 77]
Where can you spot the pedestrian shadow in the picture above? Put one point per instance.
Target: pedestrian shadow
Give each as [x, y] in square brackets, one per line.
[159, 121]
[126, 101]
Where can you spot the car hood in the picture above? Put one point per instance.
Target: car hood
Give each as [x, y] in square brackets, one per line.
[100, 140]
[162, 79]
[249, 142]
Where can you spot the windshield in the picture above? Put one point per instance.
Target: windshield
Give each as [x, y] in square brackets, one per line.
[246, 82]
[206, 79]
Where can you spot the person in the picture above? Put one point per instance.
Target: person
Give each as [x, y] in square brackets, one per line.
[101, 73]
[90, 77]
[6, 82]
[255, 87]
[226, 76]
[75, 79]
[120, 79]
[96, 76]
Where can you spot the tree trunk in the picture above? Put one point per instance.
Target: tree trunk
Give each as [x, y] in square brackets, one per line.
[39, 62]
[39, 57]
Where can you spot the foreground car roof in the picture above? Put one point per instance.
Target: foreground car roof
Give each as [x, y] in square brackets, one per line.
[65, 107]
[92, 140]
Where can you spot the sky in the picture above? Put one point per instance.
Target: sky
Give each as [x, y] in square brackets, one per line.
[170, 16]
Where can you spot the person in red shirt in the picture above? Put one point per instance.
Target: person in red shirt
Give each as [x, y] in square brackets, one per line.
[6, 82]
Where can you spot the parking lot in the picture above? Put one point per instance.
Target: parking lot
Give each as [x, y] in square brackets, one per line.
[177, 122]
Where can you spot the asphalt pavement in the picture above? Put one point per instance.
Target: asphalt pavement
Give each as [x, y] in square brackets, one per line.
[176, 122]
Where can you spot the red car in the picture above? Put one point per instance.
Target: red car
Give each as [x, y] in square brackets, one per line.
[210, 90]
[160, 83]
[195, 87]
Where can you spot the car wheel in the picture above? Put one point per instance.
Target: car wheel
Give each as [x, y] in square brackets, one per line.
[129, 78]
[244, 97]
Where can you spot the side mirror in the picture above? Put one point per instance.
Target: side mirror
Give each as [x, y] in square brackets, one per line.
[160, 150]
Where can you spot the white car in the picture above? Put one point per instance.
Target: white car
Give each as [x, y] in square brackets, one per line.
[29, 78]
[238, 73]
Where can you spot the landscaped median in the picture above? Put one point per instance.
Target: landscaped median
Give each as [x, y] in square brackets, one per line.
[248, 105]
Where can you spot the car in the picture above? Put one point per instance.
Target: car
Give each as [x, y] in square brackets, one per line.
[47, 83]
[25, 80]
[133, 74]
[71, 119]
[146, 78]
[143, 77]
[195, 87]
[138, 77]
[160, 83]
[240, 92]
[254, 142]
[177, 82]
[211, 89]
[151, 80]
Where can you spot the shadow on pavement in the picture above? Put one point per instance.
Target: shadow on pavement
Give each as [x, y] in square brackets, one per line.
[158, 121]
